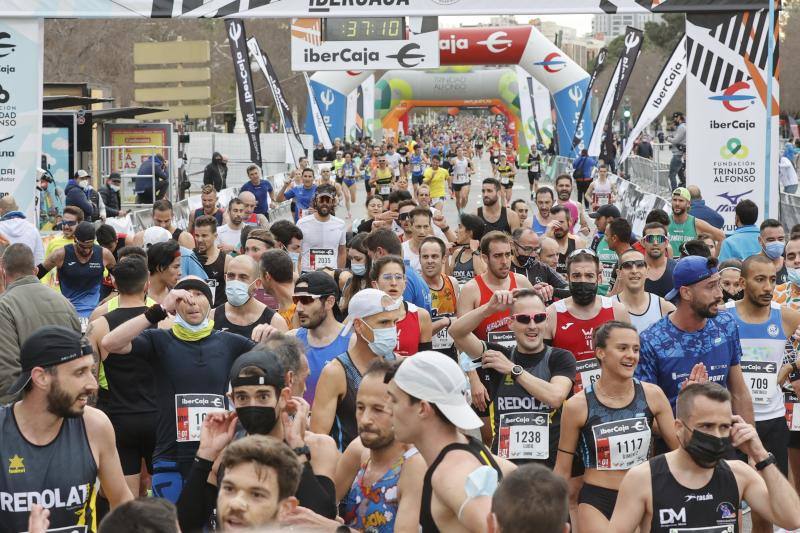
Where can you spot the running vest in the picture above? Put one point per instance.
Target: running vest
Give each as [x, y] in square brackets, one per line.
[501, 224]
[477, 450]
[113, 304]
[222, 323]
[443, 304]
[680, 233]
[576, 335]
[217, 215]
[344, 428]
[497, 321]
[383, 181]
[762, 357]
[417, 166]
[176, 234]
[408, 333]
[561, 267]
[521, 424]
[61, 476]
[506, 174]
[538, 227]
[460, 171]
[602, 192]
[463, 271]
[252, 220]
[80, 282]
[318, 357]
[677, 509]
[374, 508]
[616, 439]
[651, 315]
[216, 279]
[126, 383]
[607, 260]
[348, 171]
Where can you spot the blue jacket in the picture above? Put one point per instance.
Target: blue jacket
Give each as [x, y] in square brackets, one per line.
[586, 164]
[77, 197]
[147, 169]
[700, 210]
[740, 244]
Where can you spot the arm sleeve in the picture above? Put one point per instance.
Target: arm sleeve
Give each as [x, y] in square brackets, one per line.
[198, 498]
[313, 494]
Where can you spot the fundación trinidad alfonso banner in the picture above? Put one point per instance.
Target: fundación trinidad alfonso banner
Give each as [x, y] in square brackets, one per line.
[21, 45]
[237, 39]
[726, 110]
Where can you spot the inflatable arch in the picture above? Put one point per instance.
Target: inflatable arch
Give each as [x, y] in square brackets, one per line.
[515, 45]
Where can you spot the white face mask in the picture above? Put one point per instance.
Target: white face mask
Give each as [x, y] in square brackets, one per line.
[83, 184]
[114, 188]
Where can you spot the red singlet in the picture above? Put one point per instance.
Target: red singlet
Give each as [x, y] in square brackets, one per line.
[497, 321]
[408, 334]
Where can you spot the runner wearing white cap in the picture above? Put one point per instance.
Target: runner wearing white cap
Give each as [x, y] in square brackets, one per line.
[430, 403]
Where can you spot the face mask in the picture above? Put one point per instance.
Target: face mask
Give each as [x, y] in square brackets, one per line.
[237, 292]
[114, 188]
[358, 269]
[707, 450]
[525, 261]
[256, 419]
[480, 482]
[793, 275]
[774, 249]
[583, 293]
[728, 296]
[384, 343]
[180, 321]
[294, 256]
[83, 184]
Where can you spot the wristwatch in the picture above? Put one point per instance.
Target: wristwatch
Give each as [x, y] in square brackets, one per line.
[770, 460]
[516, 371]
[303, 450]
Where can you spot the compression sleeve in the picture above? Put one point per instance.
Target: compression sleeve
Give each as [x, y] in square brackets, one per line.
[198, 497]
[312, 493]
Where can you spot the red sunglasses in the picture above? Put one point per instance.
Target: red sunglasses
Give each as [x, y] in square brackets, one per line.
[524, 318]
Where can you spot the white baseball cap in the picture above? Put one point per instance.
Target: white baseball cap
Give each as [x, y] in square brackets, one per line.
[82, 174]
[435, 378]
[155, 235]
[368, 302]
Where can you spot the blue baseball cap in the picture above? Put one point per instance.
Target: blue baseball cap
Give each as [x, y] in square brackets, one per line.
[690, 270]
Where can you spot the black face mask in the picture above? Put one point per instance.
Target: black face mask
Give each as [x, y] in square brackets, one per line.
[525, 261]
[257, 420]
[727, 296]
[583, 293]
[707, 450]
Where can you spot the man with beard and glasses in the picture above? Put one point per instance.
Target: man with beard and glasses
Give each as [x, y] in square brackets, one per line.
[53, 446]
[80, 269]
[644, 308]
[545, 280]
[693, 488]
[559, 229]
[378, 478]
[683, 226]
[324, 235]
[576, 211]
[264, 405]
[659, 265]
[215, 262]
[695, 335]
[190, 363]
[494, 213]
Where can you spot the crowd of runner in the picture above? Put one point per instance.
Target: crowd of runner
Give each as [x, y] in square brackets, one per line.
[536, 367]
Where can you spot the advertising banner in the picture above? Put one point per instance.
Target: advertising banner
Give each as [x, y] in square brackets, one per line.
[368, 97]
[333, 107]
[726, 107]
[598, 64]
[21, 60]
[530, 128]
[543, 111]
[350, 8]
[662, 92]
[237, 39]
[320, 131]
[352, 131]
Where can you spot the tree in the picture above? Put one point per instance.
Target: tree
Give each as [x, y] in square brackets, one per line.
[665, 34]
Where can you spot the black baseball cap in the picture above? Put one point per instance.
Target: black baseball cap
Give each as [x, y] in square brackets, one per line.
[196, 284]
[48, 346]
[607, 210]
[316, 284]
[115, 176]
[85, 231]
[265, 360]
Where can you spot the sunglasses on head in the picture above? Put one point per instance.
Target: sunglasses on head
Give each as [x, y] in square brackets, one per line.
[525, 318]
[655, 239]
[628, 265]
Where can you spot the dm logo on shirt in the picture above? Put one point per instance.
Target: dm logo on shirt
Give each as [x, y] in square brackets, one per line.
[668, 517]
[772, 330]
[16, 465]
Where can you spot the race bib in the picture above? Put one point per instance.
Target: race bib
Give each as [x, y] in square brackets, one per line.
[534, 167]
[504, 180]
[442, 340]
[416, 168]
[385, 190]
[622, 444]
[524, 435]
[191, 410]
[708, 529]
[762, 378]
[460, 179]
[503, 338]
[84, 321]
[320, 258]
[586, 373]
[602, 199]
[792, 411]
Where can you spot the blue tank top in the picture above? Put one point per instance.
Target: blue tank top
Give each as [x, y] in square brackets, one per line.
[537, 227]
[217, 215]
[616, 439]
[416, 165]
[80, 282]
[374, 508]
[318, 357]
[763, 347]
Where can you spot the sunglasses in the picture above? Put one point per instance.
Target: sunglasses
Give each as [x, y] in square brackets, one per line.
[628, 265]
[70, 222]
[525, 318]
[307, 299]
[324, 198]
[583, 251]
[403, 216]
[390, 277]
[655, 239]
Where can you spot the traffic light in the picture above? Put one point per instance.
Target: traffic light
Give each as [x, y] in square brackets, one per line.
[626, 112]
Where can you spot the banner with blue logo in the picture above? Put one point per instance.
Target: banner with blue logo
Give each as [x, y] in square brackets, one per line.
[333, 106]
[568, 102]
[21, 46]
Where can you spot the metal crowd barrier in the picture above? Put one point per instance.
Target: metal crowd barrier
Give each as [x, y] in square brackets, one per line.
[648, 174]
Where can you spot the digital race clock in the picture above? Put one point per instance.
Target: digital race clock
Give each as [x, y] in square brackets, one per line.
[364, 29]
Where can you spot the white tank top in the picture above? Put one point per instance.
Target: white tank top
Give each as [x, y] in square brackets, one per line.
[649, 317]
[460, 167]
[602, 192]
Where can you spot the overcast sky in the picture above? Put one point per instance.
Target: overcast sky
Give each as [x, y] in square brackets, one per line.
[582, 23]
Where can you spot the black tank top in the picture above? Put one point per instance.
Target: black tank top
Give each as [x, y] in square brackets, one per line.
[199, 213]
[129, 387]
[616, 439]
[344, 428]
[60, 475]
[561, 267]
[463, 271]
[501, 224]
[676, 508]
[176, 234]
[216, 279]
[222, 323]
[477, 450]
